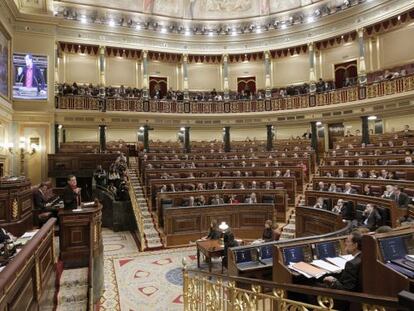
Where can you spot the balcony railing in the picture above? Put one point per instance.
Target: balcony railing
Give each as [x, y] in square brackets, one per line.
[204, 291]
[340, 96]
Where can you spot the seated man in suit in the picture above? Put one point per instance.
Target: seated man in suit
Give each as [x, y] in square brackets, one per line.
[348, 189]
[40, 203]
[217, 200]
[372, 218]
[349, 277]
[71, 194]
[251, 199]
[39, 198]
[401, 198]
[321, 186]
[320, 204]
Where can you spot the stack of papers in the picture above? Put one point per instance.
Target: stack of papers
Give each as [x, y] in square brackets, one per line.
[27, 236]
[410, 257]
[326, 266]
[307, 269]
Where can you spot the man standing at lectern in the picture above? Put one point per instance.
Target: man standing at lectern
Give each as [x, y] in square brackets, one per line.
[72, 194]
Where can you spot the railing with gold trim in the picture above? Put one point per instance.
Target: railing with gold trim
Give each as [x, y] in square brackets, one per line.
[137, 210]
[204, 291]
[340, 96]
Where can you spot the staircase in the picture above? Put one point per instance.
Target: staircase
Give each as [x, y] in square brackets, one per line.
[288, 231]
[73, 290]
[145, 220]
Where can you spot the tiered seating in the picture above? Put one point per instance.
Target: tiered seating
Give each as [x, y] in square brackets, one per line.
[173, 179]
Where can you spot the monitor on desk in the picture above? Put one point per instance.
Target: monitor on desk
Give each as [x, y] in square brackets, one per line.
[393, 248]
[266, 251]
[326, 249]
[243, 256]
[293, 254]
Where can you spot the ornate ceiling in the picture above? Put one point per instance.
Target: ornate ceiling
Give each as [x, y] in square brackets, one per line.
[204, 9]
[201, 26]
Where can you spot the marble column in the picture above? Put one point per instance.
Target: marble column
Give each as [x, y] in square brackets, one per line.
[268, 74]
[312, 74]
[362, 74]
[270, 133]
[102, 138]
[365, 130]
[146, 137]
[185, 77]
[226, 76]
[57, 138]
[145, 77]
[57, 67]
[226, 139]
[102, 64]
[187, 143]
[314, 138]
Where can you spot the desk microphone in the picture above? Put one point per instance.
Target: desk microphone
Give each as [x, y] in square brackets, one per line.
[259, 259]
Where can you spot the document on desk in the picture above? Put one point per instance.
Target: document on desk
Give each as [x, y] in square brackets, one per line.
[77, 210]
[27, 236]
[326, 266]
[307, 269]
[338, 261]
[347, 257]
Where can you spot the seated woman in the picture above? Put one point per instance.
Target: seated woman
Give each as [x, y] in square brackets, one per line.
[233, 199]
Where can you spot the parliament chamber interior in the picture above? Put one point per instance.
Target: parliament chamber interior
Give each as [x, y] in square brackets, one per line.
[206, 155]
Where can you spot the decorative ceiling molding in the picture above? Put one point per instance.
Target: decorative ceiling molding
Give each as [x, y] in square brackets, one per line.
[331, 27]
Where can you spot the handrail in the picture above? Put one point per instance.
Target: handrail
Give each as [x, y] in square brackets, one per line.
[347, 228]
[138, 215]
[340, 96]
[227, 296]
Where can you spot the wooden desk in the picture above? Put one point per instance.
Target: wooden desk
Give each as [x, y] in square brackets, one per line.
[80, 236]
[185, 224]
[377, 277]
[31, 274]
[210, 249]
[16, 205]
[402, 172]
[295, 171]
[177, 199]
[81, 164]
[313, 221]
[394, 212]
[180, 184]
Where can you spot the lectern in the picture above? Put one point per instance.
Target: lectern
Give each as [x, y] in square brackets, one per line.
[81, 242]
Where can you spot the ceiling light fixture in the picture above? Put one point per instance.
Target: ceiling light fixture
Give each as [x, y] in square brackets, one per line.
[111, 23]
[372, 117]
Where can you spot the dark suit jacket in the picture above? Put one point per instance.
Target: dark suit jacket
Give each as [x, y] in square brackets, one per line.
[373, 220]
[37, 80]
[39, 200]
[352, 191]
[70, 198]
[349, 278]
[403, 200]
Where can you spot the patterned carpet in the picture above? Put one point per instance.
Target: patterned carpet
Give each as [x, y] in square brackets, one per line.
[149, 281]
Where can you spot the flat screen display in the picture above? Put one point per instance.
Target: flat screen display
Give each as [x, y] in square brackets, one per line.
[4, 63]
[393, 248]
[325, 250]
[30, 76]
[293, 254]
